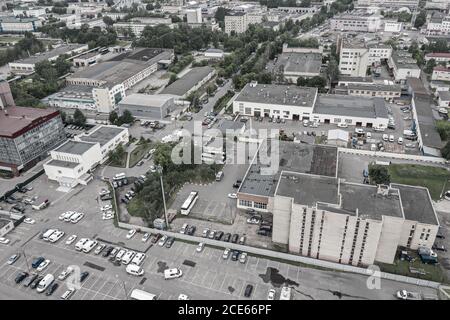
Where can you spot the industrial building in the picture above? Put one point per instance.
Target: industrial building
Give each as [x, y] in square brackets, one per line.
[302, 103]
[145, 106]
[27, 135]
[356, 22]
[26, 65]
[72, 162]
[403, 65]
[190, 82]
[316, 214]
[441, 73]
[109, 80]
[386, 91]
[19, 25]
[299, 64]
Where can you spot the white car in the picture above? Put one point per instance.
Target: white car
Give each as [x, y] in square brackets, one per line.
[63, 275]
[120, 254]
[138, 258]
[71, 239]
[205, 232]
[162, 240]
[226, 253]
[99, 248]
[183, 296]
[342, 125]
[243, 257]
[252, 220]
[62, 216]
[66, 295]
[385, 137]
[29, 221]
[368, 135]
[77, 218]
[271, 294]
[172, 273]
[131, 233]
[128, 256]
[106, 207]
[69, 215]
[359, 130]
[200, 247]
[107, 216]
[232, 195]
[400, 140]
[391, 138]
[145, 237]
[56, 236]
[80, 244]
[44, 264]
[88, 246]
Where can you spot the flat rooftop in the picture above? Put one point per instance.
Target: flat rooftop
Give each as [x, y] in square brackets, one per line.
[425, 120]
[355, 79]
[14, 120]
[50, 54]
[74, 147]
[292, 157]
[181, 86]
[351, 106]
[364, 200]
[308, 189]
[123, 66]
[146, 100]
[289, 95]
[63, 164]
[298, 62]
[417, 205]
[102, 134]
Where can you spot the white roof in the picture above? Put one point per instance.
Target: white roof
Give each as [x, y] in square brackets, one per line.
[337, 134]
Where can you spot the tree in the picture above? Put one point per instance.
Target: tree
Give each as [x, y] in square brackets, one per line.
[420, 19]
[446, 151]
[332, 70]
[108, 21]
[79, 118]
[379, 174]
[211, 89]
[429, 66]
[62, 66]
[113, 117]
[173, 78]
[126, 117]
[150, 7]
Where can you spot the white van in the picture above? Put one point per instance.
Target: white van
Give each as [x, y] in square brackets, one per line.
[183, 228]
[137, 294]
[172, 273]
[134, 270]
[45, 283]
[78, 218]
[80, 244]
[119, 176]
[127, 257]
[48, 233]
[70, 215]
[120, 254]
[56, 236]
[88, 246]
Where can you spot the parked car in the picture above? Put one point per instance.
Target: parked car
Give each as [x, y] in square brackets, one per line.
[235, 255]
[13, 258]
[99, 248]
[30, 280]
[107, 251]
[271, 294]
[44, 264]
[172, 273]
[145, 237]
[36, 262]
[162, 241]
[226, 253]
[227, 237]
[243, 257]
[235, 238]
[21, 276]
[242, 240]
[52, 288]
[170, 242]
[248, 291]
[83, 276]
[205, 233]
[218, 235]
[131, 233]
[200, 247]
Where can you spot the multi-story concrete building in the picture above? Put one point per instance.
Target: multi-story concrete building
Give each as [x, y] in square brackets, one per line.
[29, 11]
[441, 73]
[385, 91]
[353, 59]
[137, 25]
[355, 22]
[194, 15]
[19, 25]
[109, 80]
[391, 4]
[72, 162]
[26, 65]
[392, 26]
[438, 25]
[27, 135]
[403, 65]
[236, 22]
[438, 57]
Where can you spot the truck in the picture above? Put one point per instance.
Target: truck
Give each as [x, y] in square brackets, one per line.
[408, 133]
[408, 295]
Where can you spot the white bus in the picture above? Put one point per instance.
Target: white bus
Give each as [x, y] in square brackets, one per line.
[189, 203]
[119, 176]
[137, 294]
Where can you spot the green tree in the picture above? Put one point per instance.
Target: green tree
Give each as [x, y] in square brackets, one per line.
[79, 118]
[113, 117]
[420, 19]
[332, 70]
[108, 21]
[379, 174]
[429, 66]
[173, 78]
[446, 151]
[126, 117]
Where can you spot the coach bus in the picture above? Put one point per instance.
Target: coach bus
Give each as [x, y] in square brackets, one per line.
[189, 203]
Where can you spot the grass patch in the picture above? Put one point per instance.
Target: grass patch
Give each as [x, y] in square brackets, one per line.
[433, 272]
[138, 153]
[121, 163]
[433, 178]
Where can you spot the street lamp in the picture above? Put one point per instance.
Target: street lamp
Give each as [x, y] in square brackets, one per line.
[160, 171]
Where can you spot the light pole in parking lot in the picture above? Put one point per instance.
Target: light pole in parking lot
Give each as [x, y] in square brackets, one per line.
[160, 171]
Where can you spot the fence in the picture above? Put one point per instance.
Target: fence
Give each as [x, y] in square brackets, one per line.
[394, 155]
[286, 256]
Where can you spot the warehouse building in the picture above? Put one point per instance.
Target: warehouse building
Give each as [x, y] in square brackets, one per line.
[27, 135]
[19, 25]
[26, 66]
[356, 22]
[297, 64]
[403, 65]
[72, 162]
[190, 82]
[148, 107]
[385, 91]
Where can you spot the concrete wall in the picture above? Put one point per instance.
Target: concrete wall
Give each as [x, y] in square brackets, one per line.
[391, 233]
